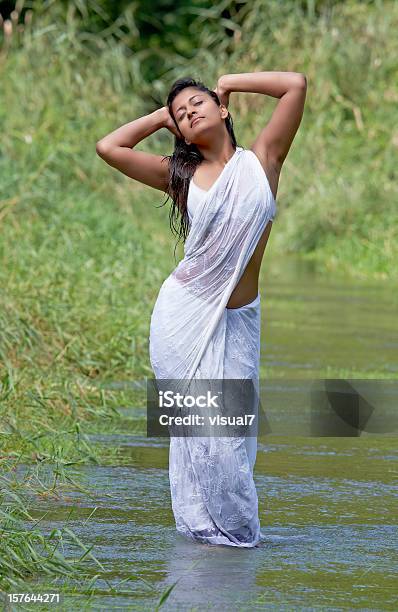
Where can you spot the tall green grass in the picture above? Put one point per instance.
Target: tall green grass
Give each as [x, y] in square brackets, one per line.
[338, 186]
[24, 551]
[83, 249]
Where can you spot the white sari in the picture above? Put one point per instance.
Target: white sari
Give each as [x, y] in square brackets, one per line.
[194, 336]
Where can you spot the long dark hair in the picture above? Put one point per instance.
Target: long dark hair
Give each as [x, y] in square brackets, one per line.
[183, 162]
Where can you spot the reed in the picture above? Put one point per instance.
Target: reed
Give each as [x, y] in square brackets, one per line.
[25, 551]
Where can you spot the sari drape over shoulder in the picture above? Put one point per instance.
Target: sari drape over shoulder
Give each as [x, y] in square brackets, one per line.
[213, 493]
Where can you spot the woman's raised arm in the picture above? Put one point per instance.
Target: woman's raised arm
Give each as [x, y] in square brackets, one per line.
[116, 149]
[273, 142]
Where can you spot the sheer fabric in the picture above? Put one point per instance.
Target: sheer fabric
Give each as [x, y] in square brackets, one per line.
[193, 335]
[195, 195]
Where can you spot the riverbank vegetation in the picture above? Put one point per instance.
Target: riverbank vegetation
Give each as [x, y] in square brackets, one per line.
[84, 249]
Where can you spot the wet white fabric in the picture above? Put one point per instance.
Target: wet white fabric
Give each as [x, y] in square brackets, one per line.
[195, 195]
[194, 335]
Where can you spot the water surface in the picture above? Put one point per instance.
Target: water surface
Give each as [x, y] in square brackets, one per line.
[328, 506]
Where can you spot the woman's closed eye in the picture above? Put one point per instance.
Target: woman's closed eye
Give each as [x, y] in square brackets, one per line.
[196, 104]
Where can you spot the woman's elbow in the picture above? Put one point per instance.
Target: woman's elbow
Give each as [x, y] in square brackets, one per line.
[303, 79]
[101, 148]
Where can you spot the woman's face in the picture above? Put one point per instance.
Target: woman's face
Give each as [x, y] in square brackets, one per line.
[190, 104]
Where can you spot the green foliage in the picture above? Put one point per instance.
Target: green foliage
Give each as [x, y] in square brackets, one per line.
[83, 247]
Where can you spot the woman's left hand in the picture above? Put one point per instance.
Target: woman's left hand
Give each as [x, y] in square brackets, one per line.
[222, 93]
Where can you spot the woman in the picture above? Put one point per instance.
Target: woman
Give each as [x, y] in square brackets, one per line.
[206, 320]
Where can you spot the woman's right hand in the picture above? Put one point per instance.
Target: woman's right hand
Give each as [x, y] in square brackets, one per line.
[169, 123]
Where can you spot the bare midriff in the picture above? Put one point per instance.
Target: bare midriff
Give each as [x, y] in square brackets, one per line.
[247, 288]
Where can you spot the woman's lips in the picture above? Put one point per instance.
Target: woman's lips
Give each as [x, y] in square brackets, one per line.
[195, 120]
